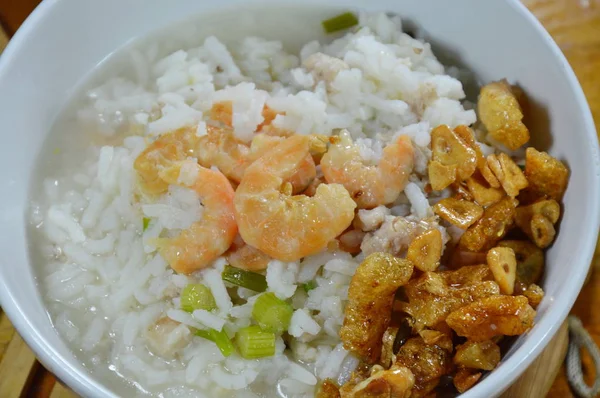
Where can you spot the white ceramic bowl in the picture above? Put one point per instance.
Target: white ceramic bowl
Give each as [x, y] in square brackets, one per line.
[64, 39]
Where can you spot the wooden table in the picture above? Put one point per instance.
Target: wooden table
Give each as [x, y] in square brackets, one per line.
[575, 25]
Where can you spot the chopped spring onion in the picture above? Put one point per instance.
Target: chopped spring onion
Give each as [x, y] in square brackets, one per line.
[522, 167]
[340, 22]
[253, 342]
[246, 279]
[197, 297]
[308, 286]
[146, 222]
[271, 313]
[221, 339]
[205, 334]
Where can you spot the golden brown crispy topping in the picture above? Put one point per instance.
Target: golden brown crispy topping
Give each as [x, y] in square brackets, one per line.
[467, 275]
[459, 212]
[547, 176]
[537, 221]
[503, 264]
[508, 173]
[448, 148]
[434, 295]
[427, 362]
[489, 176]
[468, 137]
[425, 250]
[328, 389]
[547, 208]
[461, 258]
[441, 176]
[395, 382]
[483, 355]
[542, 231]
[534, 294]
[435, 337]
[491, 227]
[461, 191]
[482, 192]
[530, 260]
[387, 347]
[465, 379]
[492, 316]
[370, 300]
[501, 114]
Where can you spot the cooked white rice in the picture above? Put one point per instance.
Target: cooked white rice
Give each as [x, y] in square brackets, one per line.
[105, 283]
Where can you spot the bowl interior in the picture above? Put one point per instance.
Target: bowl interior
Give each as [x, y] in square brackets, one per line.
[65, 39]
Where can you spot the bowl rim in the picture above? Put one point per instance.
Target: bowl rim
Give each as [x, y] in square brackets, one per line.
[84, 383]
[60, 366]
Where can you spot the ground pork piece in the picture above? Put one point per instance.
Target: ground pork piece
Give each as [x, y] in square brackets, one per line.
[351, 240]
[324, 67]
[396, 233]
[425, 95]
[369, 220]
[370, 299]
[166, 337]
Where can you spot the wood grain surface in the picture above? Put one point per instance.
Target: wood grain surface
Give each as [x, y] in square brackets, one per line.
[3, 39]
[575, 25]
[537, 380]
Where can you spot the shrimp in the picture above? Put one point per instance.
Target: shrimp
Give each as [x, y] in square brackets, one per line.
[196, 247]
[369, 186]
[220, 148]
[306, 171]
[223, 112]
[248, 258]
[288, 227]
[168, 148]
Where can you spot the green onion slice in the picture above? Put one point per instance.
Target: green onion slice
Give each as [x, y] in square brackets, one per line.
[308, 286]
[196, 296]
[146, 222]
[220, 338]
[246, 279]
[271, 313]
[340, 22]
[253, 342]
